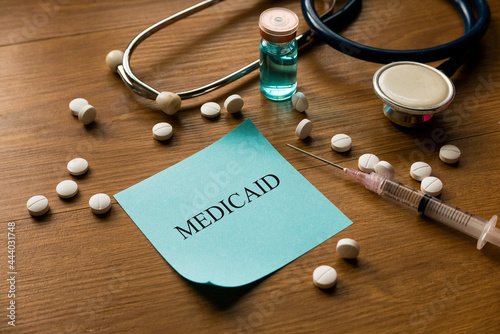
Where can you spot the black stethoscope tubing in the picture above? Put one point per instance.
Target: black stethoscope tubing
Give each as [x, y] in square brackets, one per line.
[456, 50]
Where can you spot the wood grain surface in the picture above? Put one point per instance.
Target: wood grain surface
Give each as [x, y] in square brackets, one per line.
[78, 273]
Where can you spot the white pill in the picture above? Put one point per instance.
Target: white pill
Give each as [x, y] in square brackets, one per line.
[162, 131]
[449, 154]
[304, 128]
[113, 59]
[87, 114]
[341, 143]
[233, 103]
[384, 169]
[76, 105]
[210, 109]
[168, 102]
[348, 248]
[324, 277]
[432, 186]
[78, 166]
[67, 188]
[420, 170]
[299, 102]
[100, 203]
[367, 162]
[38, 205]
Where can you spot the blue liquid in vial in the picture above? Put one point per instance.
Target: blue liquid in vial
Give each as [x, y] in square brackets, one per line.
[278, 69]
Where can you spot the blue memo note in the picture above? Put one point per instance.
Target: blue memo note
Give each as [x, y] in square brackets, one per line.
[232, 213]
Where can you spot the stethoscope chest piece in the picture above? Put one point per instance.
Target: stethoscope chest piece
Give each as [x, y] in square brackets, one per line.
[412, 92]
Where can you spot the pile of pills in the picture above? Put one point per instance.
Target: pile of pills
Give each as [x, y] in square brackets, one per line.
[420, 170]
[80, 108]
[324, 276]
[78, 166]
[304, 129]
[348, 248]
[162, 131]
[233, 104]
[449, 154]
[300, 102]
[99, 204]
[67, 189]
[341, 143]
[38, 205]
[210, 110]
[367, 162]
[431, 185]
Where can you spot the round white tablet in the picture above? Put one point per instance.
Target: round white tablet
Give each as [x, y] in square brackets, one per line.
[367, 162]
[324, 277]
[341, 143]
[233, 103]
[67, 188]
[300, 102]
[449, 154]
[348, 248]
[78, 166]
[210, 109]
[38, 205]
[162, 131]
[420, 170]
[304, 128]
[168, 102]
[87, 114]
[76, 105]
[385, 169]
[113, 59]
[100, 203]
[432, 186]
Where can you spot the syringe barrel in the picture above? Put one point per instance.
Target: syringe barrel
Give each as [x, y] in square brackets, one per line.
[433, 208]
[407, 196]
[455, 217]
[429, 206]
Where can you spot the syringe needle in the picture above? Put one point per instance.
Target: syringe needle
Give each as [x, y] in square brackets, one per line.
[315, 156]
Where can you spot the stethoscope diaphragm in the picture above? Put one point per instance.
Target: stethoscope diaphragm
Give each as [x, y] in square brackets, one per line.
[412, 92]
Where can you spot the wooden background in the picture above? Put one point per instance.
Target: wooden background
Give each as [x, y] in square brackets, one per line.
[80, 273]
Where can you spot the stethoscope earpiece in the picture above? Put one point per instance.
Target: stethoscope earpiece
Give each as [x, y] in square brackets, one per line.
[412, 92]
[168, 102]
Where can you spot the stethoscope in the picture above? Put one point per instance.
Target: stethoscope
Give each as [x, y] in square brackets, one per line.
[430, 89]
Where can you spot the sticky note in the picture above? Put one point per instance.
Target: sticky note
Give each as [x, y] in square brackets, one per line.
[232, 213]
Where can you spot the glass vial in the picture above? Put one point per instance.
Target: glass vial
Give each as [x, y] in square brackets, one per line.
[278, 53]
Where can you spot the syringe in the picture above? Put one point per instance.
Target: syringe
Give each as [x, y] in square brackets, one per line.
[477, 227]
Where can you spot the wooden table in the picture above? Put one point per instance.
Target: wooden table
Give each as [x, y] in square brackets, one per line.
[77, 272]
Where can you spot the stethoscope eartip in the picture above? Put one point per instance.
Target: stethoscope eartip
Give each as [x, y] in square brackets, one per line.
[114, 59]
[169, 102]
[412, 92]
